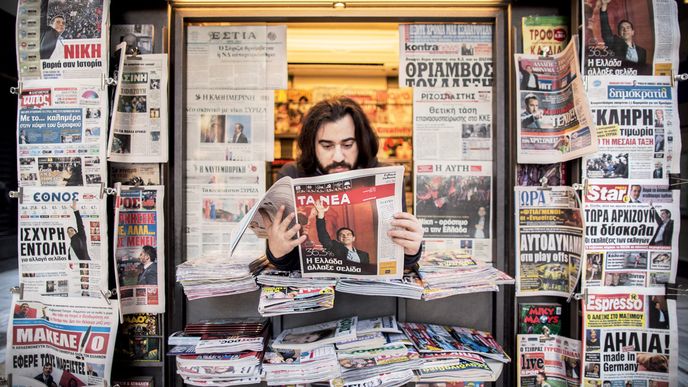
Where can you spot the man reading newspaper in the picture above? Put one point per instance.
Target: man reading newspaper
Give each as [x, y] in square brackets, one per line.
[336, 136]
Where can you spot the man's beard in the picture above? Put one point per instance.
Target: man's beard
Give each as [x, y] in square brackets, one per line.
[335, 165]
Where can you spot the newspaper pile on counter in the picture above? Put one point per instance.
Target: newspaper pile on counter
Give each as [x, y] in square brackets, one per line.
[287, 292]
[220, 370]
[218, 276]
[409, 286]
[314, 336]
[391, 379]
[293, 367]
[548, 359]
[447, 366]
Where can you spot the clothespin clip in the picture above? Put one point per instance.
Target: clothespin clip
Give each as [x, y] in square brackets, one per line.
[135, 54]
[16, 90]
[107, 294]
[675, 290]
[543, 185]
[579, 296]
[544, 52]
[17, 194]
[106, 190]
[678, 78]
[18, 290]
[677, 180]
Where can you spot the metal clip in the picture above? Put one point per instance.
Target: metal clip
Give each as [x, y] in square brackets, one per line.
[107, 294]
[675, 290]
[681, 77]
[578, 186]
[135, 53]
[109, 191]
[14, 90]
[17, 194]
[677, 181]
[543, 185]
[18, 290]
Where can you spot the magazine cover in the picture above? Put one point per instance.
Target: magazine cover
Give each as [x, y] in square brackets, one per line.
[539, 318]
[545, 34]
[313, 336]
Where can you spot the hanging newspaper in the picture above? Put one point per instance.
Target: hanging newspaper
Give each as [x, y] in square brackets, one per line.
[453, 201]
[135, 174]
[545, 35]
[61, 129]
[638, 128]
[639, 37]
[555, 124]
[631, 238]
[139, 122]
[139, 249]
[237, 57]
[230, 125]
[549, 241]
[63, 241]
[60, 341]
[548, 360]
[138, 37]
[452, 124]
[62, 39]
[445, 55]
[532, 174]
[218, 196]
[630, 335]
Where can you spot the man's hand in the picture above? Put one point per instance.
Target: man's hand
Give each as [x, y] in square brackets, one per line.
[74, 206]
[410, 232]
[280, 236]
[605, 3]
[320, 209]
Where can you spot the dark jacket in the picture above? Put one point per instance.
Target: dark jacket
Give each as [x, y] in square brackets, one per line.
[619, 46]
[241, 139]
[337, 248]
[79, 243]
[50, 382]
[668, 232]
[291, 260]
[149, 275]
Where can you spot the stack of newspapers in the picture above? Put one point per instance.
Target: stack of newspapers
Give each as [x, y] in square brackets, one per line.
[220, 276]
[455, 353]
[286, 292]
[296, 367]
[409, 286]
[220, 369]
[447, 273]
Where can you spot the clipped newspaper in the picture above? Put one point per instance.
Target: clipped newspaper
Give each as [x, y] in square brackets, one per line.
[232, 125]
[631, 236]
[555, 123]
[139, 248]
[61, 129]
[237, 57]
[138, 37]
[549, 241]
[139, 130]
[544, 35]
[639, 37]
[135, 174]
[345, 217]
[453, 202]
[63, 241]
[60, 341]
[630, 334]
[445, 55]
[441, 116]
[314, 336]
[639, 134]
[548, 360]
[59, 39]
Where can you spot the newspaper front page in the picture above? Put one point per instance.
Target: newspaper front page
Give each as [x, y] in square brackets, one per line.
[630, 334]
[70, 340]
[139, 249]
[237, 57]
[441, 116]
[639, 37]
[631, 236]
[555, 123]
[63, 241]
[445, 55]
[139, 37]
[549, 241]
[453, 201]
[135, 174]
[554, 360]
[139, 129]
[230, 125]
[544, 34]
[638, 128]
[61, 129]
[59, 39]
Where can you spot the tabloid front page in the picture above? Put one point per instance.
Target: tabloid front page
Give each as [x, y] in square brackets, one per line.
[551, 359]
[61, 129]
[139, 249]
[555, 123]
[549, 241]
[237, 57]
[453, 201]
[544, 34]
[139, 129]
[445, 55]
[62, 39]
[63, 241]
[630, 334]
[72, 339]
[650, 25]
[638, 128]
[632, 235]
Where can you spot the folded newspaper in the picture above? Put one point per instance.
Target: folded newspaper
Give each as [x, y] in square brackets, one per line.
[345, 217]
[313, 336]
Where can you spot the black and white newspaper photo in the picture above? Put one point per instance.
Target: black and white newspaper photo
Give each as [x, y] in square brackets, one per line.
[63, 238]
[549, 241]
[139, 123]
[59, 39]
[237, 57]
[453, 201]
[138, 37]
[555, 122]
[135, 174]
[445, 55]
[230, 125]
[53, 341]
[548, 360]
[139, 249]
[452, 124]
[639, 37]
[638, 129]
[61, 132]
[630, 334]
[631, 236]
